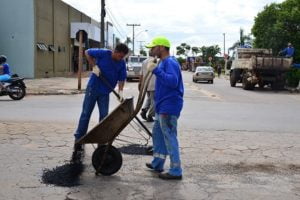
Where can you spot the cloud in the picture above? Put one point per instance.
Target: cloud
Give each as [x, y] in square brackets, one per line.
[196, 22]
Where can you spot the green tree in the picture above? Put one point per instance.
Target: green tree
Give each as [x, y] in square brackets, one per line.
[195, 50]
[183, 49]
[128, 41]
[143, 52]
[277, 25]
[210, 51]
[244, 39]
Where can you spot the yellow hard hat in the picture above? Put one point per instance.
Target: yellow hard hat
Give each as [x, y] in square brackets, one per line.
[159, 41]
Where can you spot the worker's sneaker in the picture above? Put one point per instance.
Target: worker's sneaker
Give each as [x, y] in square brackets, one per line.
[149, 165]
[150, 119]
[167, 176]
[143, 114]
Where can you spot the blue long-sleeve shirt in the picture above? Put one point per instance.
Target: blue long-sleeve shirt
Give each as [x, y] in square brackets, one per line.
[168, 87]
[289, 51]
[112, 70]
[5, 69]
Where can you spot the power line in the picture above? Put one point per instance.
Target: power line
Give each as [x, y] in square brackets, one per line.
[115, 22]
[114, 19]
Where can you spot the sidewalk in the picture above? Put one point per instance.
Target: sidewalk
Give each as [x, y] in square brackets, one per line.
[55, 86]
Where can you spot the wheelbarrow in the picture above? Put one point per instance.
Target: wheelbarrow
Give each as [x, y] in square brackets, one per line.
[106, 158]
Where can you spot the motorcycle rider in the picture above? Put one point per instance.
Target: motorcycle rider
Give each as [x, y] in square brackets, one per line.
[4, 71]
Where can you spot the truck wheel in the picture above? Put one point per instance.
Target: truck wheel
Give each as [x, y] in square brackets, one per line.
[233, 79]
[261, 84]
[246, 84]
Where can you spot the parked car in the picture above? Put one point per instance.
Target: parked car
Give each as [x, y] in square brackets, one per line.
[204, 73]
[134, 67]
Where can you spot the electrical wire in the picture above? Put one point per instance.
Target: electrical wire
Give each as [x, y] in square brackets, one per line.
[117, 26]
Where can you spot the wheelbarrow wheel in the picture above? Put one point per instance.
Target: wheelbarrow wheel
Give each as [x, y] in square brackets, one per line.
[111, 163]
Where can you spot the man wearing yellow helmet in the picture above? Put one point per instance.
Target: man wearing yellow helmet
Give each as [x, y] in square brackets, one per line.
[168, 105]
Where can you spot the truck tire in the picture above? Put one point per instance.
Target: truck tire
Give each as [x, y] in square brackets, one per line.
[261, 84]
[233, 78]
[246, 84]
[277, 85]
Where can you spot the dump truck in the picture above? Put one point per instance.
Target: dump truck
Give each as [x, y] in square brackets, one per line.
[254, 66]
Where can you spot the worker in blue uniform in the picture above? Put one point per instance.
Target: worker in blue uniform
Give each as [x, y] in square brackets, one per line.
[168, 105]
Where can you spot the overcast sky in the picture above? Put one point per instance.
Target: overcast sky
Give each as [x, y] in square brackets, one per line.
[195, 22]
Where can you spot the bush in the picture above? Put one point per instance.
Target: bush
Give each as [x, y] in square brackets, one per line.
[293, 77]
[181, 60]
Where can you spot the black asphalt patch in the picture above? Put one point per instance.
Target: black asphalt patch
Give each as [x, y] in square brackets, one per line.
[66, 175]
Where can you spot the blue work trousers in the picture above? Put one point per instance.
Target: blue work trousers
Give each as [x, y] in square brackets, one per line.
[164, 135]
[89, 102]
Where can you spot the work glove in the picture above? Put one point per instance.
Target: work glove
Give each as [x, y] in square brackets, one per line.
[96, 70]
[151, 65]
[121, 98]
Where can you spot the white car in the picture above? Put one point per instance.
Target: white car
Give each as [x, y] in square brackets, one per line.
[134, 67]
[204, 73]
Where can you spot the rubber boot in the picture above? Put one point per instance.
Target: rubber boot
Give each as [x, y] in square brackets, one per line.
[144, 114]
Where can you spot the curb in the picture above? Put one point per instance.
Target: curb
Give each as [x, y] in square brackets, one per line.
[56, 92]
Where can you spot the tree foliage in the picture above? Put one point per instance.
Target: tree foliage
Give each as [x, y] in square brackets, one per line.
[183, 49]
[244, 39]
[210, 51]
[143, 52]
[195, 50]
[277, 25]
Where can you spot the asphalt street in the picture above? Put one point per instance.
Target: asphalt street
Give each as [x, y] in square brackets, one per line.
[235, 144]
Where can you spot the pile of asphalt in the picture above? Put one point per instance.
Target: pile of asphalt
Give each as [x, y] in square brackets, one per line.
[136, 149]
[66, 175]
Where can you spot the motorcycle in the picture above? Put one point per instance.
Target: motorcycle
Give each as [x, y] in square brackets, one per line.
[14, 87]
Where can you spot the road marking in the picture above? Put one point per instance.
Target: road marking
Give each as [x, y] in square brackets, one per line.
[203, 91]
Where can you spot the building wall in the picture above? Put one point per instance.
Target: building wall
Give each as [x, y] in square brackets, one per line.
[26, 23]
[44, 34]
[61, 38]
[53, 22]
[17, 35]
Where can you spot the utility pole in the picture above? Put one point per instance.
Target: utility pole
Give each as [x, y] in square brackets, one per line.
[224, 43]
[80, 53]
[103, 13]
[133, 25]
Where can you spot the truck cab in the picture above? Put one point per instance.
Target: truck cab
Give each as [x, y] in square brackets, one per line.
[134, 67]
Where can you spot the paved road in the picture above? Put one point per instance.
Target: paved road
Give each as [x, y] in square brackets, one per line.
[235, 144]
[207, 106]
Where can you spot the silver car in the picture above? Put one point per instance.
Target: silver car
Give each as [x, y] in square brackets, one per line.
[134, 67]
[204, 73]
